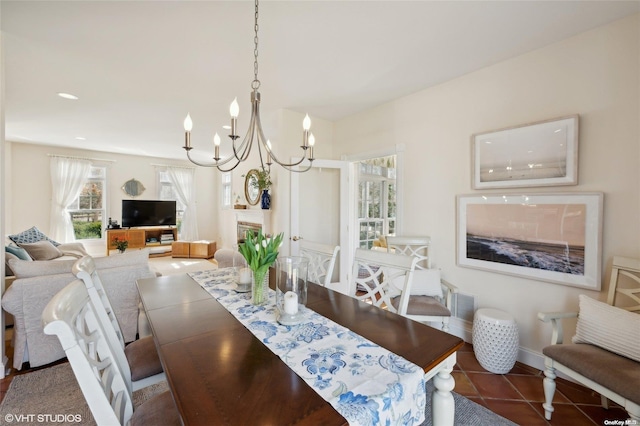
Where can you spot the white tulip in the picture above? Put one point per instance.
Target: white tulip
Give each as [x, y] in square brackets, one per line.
[264, 243]
[257, 247]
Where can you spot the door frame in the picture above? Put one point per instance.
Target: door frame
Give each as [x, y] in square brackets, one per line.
[345, 239]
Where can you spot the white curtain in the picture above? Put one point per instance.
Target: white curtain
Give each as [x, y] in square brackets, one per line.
[68, 177]
[182, 180]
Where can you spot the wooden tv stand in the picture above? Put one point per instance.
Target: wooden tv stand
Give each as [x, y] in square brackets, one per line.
[139, 238]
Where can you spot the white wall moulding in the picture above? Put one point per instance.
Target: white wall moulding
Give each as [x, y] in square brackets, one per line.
[546, 237]
[543, 153]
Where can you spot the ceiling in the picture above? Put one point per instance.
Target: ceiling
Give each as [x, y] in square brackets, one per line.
[138, 67]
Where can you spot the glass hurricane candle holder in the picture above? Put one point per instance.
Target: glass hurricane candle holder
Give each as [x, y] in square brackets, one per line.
[291, 289]
[242, 275]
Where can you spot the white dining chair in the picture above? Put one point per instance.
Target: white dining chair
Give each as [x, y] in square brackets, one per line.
[382, 279]
[322, 261]
[71, 316]
[140, 357]
[431, 297]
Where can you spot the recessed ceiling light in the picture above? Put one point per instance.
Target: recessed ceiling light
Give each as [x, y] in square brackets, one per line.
[226, 127]
[80, 138]
[67, 96]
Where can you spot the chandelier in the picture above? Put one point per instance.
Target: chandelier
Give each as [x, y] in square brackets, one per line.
[254, 132]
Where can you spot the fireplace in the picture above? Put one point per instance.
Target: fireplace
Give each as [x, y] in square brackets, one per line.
[243, 227]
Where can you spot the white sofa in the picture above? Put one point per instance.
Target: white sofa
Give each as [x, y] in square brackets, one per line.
[37, 281]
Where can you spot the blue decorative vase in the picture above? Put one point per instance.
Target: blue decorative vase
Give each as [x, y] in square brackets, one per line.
[265, 200]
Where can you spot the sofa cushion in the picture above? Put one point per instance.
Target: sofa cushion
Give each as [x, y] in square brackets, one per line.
[42, 250]
[608, 327]
[614, 372]
[31, 235]
[18, 252]
[24, 269]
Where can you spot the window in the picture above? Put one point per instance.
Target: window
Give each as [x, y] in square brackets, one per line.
[376, 200]
[87, 211]
[167, 192]
[226, 190]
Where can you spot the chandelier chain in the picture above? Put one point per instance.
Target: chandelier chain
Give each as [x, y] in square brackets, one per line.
[256, 83]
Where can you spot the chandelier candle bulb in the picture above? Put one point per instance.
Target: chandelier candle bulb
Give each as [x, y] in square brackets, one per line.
[290, 303]
[188, 125]
[234, 110]
[269, 162]
[216, 146]
[312, 142]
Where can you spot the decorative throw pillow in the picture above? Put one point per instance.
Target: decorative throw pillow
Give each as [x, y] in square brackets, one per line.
[31, 235]
[42, 250]
[426, 282]
[18, 252]
[608, 327]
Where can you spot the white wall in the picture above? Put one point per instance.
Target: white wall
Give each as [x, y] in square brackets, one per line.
[595, 75]
[29, 186]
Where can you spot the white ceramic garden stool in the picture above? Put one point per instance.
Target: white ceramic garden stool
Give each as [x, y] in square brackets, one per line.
[495, 340]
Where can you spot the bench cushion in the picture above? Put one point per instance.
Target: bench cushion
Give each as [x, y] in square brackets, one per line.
[617, 373]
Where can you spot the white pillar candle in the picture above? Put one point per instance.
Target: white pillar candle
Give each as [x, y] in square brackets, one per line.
[245, 276]
[290, 303]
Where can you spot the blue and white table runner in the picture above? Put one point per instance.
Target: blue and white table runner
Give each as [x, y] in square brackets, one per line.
[364, 382]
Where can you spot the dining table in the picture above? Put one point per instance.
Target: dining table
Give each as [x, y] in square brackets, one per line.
[220, 373]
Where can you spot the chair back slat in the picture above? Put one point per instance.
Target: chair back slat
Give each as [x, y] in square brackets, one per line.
[322, 260]
[625, 281]
[85, 270]
[418, 247]
[379, 277]
[70, 316]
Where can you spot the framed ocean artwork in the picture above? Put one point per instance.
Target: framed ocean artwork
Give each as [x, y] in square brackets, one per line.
[546, 237]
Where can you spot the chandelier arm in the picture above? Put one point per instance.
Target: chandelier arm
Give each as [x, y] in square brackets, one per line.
[261, 138]
[198, 163]
[291, 169]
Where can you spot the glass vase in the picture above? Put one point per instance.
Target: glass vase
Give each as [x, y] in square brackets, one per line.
[260, 288]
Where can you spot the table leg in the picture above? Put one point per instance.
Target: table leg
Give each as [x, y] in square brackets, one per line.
[443, 405]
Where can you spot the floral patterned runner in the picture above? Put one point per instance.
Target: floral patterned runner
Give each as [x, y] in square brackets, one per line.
[364, 382]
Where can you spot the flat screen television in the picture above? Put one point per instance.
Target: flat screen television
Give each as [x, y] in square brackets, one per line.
[148, 213]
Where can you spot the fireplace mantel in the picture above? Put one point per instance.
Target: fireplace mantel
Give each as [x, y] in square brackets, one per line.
[258, 217]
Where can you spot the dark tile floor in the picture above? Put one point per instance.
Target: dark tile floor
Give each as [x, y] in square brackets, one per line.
[517, 396]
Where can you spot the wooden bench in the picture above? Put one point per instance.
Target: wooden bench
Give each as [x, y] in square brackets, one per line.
[614, 376]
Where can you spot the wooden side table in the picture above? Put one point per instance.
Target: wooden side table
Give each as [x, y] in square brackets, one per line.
[202, 249]
[180, 249]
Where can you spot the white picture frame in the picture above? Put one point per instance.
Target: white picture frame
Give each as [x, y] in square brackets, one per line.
[544, 153]
[547, 237]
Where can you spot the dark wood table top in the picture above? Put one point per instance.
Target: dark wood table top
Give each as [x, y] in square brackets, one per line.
[220, 373]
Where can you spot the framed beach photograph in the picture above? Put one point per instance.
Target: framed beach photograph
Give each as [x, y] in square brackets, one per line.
[547, 237]
[543, 153]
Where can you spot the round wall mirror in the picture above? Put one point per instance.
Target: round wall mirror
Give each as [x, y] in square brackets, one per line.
[133, 188]
[251, 191]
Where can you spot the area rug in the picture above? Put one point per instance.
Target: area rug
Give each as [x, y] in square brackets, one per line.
[53, 393]
[167, 265]
[51, 396]
[467, 413]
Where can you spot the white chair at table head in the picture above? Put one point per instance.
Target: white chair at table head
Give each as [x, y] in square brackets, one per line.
[139, 359]
[431, 297]
[322, 260]
[71, 316]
